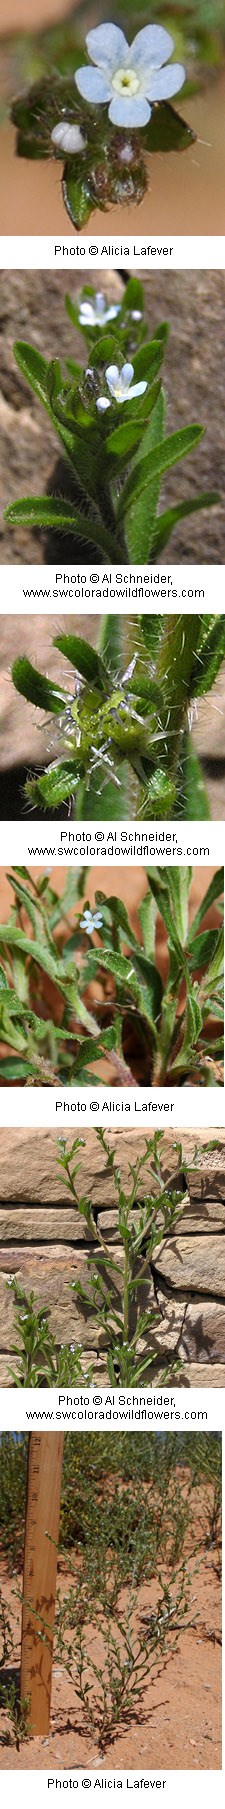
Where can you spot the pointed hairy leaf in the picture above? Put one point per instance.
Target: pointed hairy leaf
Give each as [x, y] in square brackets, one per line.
[147, 361]
[53, 787]
[50, 512]
[110, 643]
[191, 801]
[133, 297]
[175, 447]
[123, 969]
[147, 914]
[37, 689]
[34, 368]
[124, 439]
[167, 131]
[140, 521]
[168, 520]
[192, 1022]
[76, 193]
[203, 948]
[82, 657]
[12, 1067]
[151, 629]
[171, 891]
[214, 891]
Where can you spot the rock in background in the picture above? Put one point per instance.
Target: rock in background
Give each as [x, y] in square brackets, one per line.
[44, 1243]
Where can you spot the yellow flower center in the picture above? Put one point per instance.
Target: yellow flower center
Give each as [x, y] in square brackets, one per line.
[126, 82]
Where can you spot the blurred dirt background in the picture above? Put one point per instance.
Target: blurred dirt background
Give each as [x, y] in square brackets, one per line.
[32, 308]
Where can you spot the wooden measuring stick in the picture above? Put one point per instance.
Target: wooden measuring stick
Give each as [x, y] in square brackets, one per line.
[45, 1455]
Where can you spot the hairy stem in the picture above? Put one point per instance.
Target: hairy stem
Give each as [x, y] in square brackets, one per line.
[174, 665]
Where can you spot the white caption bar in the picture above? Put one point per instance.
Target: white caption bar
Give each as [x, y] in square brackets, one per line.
[111, 844]
[53, 1786]
[104, 1409]
[65, 1108]
[33, 589]
[141, 253]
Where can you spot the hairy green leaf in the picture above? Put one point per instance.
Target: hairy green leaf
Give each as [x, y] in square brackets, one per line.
[83, 657]
[37, 689]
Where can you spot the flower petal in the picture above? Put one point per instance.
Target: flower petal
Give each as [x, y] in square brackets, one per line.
[111, 312]
[112, 375]
[86, 313]
[102, 403]
[151, 47]
[92, 84]
[127, 374]
[129, 113]
[166, 82]
[137, 389]
[107, 47]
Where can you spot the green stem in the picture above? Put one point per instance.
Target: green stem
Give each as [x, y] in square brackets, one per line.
[126, 1295]
[174, 663]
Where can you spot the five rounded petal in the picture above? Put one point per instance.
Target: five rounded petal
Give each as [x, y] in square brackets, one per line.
[129, 76]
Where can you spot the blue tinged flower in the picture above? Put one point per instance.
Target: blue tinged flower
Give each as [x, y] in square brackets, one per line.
[96, 313]
[120, 385]
[129, 76]
[68, 138]
[91, 920]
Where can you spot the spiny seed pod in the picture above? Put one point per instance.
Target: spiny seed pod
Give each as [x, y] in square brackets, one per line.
[161, 795]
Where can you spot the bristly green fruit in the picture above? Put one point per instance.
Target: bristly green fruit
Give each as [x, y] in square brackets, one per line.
[124, 737]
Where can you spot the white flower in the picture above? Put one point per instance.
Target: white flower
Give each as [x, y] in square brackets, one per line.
[90, 921]
[129, 76]
[68, 138]
[95, 313]
[120, 385]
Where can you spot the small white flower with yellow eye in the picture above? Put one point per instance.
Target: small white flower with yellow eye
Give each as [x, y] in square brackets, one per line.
[129, 76]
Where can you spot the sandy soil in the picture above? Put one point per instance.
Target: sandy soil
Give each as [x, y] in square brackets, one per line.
[178, 1725]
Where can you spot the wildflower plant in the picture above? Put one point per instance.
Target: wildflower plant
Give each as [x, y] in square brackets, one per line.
[128, 1520]
[118, 458]
[119, 730]
[101, 115]
[40, 1362]
[115, 1293]
[115, 1296]
[151, 1030]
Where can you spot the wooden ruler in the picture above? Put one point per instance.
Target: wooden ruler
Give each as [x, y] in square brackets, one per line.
[45, 1455]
